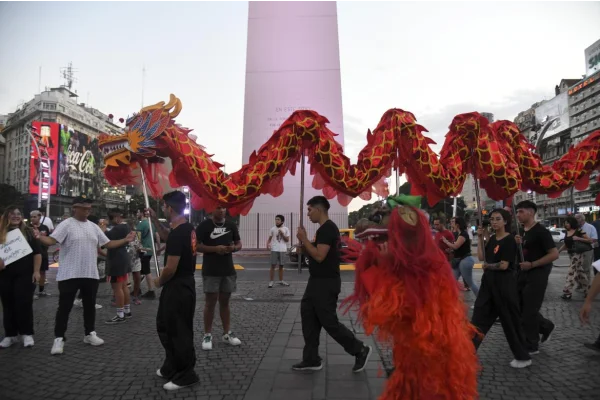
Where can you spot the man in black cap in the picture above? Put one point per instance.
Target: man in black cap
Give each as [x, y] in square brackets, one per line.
[79, 240]
[175, 317]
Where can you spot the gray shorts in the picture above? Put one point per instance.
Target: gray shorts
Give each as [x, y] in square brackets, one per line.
[219, 284]
[278, 258]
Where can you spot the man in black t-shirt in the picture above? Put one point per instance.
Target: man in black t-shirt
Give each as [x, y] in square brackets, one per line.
[319, 303]
[217, 240]
[539, 251]
[177, 304]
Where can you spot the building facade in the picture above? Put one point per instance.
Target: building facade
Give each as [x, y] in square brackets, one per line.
[80, 126]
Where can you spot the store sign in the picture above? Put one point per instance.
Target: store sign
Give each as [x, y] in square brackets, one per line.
[592, 59]
[582, 85]
[589, 209]
[81, 164]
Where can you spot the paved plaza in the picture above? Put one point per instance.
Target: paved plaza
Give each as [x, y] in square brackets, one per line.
[268, 323]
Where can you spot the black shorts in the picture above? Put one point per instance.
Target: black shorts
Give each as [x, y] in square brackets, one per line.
[145, 259]
[44, 266]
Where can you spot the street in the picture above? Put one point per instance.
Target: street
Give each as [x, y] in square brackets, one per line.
[269, 325]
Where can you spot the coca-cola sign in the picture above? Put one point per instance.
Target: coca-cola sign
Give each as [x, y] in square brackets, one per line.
[80, 164]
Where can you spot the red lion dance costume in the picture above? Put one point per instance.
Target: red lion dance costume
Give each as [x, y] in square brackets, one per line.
[408, 294]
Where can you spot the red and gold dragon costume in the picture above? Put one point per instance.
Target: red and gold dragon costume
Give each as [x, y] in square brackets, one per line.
[498, 154]
[406, 293]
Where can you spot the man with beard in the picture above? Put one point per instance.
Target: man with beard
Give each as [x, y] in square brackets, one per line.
[279, 237]
[177, 304]
[539, 251]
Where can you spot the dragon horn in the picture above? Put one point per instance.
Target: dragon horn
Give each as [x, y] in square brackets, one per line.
[153, 107]
[177, 109]
[172, 101]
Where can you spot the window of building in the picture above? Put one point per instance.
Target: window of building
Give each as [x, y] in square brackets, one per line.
[49, 106]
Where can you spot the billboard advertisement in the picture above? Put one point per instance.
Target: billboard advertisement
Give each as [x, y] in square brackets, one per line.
[80, 164]
[592, 59]
[557, 109]
[49, 132]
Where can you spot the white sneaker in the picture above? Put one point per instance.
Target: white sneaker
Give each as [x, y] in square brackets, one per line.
[159, 374]
[98, 306]
[93, 339]
[27, 341]
[170, 386]
[271, 285]
[231, 339]
[8, 341]
[520, 363]
[78, 303]
[207, 342]
[284, 283]
[58, 346]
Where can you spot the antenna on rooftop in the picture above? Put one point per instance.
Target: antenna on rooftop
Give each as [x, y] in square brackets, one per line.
[68, 73]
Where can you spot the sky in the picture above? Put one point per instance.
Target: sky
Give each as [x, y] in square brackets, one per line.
[433, 59]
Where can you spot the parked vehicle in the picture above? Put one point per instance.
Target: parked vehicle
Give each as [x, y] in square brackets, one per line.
[558, 235]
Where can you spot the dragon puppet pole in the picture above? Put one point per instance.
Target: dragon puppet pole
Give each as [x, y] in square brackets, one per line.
[477, 198]
[514, 210]
[145, 189]
[302, 162]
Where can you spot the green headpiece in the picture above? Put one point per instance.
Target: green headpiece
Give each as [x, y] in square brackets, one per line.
[404, 200]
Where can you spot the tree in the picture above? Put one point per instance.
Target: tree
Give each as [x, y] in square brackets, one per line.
[364, 212]
[10, 197]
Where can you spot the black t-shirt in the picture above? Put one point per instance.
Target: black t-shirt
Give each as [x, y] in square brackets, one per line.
[44, 249]
[26, 263]
[537, 242]
[569, 240]
[118, 260]
[182, 243]
[504, 249]
[210, 233]
[328, 234]
[464, 250]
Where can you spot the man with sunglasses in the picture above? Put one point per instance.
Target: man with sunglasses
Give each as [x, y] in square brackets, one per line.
[77, 269]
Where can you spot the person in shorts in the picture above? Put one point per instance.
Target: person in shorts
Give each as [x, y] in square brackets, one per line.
[217, 240]
[119, 266]
[133, 250]
[279, 237]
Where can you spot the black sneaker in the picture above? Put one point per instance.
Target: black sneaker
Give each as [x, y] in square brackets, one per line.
[546, 335]
[116, 320]
[362, 358]
[128, 315]
[149, 295]
[308, 366]
[593, 346]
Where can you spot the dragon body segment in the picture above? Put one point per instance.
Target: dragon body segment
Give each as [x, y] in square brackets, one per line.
[498, 154]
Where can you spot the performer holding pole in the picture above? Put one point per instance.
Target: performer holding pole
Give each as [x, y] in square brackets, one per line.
[301, 224]
[145, 189]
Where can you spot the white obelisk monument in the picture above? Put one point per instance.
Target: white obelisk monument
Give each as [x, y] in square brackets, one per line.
[292, 62]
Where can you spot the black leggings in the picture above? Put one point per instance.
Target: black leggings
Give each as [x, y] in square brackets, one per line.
[16, 292]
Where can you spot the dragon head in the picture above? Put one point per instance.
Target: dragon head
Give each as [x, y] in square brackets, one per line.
[139, 139]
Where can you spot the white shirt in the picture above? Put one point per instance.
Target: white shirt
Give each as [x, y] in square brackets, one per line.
[48, 222]
[79, 242]
[590, 231]
[277, 242]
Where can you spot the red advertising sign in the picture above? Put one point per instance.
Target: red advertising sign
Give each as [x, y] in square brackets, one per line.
[47, 134]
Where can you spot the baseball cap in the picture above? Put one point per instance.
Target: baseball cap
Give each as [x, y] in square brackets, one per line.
[82, 201]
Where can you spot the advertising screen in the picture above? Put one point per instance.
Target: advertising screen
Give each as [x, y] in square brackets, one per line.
[49, 133]
[556, 110]
[80, 164]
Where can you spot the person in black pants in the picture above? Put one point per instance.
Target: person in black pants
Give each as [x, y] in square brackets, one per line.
[319, 303]
[177, 304]
[539, 251]
[17, 282]
[498, 295]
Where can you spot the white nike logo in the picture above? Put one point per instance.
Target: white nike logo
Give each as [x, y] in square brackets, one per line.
[218, 232]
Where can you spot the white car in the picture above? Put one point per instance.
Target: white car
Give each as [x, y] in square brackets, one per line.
[558, 235]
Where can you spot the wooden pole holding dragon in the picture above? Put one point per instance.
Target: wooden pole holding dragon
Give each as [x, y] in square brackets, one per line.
[301, 223]
[147, 201]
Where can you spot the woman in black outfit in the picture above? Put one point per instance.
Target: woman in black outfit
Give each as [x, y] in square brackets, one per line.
[576, 272]
[498, 297]
[463, 262]
[17, 282]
